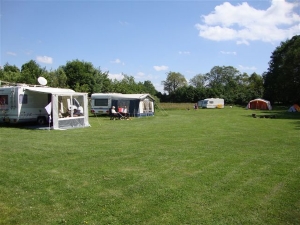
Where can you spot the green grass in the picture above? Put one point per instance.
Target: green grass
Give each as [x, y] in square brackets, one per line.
[218, 166]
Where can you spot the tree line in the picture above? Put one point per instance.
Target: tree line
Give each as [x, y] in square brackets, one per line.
[221, 82]
[279, 84]
[77, 75]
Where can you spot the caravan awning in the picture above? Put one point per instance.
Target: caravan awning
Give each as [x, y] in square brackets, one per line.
[123, 96]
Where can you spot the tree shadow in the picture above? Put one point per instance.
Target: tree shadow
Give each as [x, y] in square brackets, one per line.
[277, 114]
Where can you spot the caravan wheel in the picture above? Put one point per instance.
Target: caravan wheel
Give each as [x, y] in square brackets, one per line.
[41, 120]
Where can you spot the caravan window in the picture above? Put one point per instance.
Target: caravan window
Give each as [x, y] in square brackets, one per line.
[3, 101]
[101, 102]
[23, 99]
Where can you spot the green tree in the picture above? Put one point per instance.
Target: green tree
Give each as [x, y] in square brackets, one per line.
[256, 86]
[127, 85]
[149, 88]
[184, 94]
[10, 73]
[174, 80]
[282, 80]
[79, 73]
[102, 82]
[30, 72]
[223, 82]
[83, 77]
[198, 81]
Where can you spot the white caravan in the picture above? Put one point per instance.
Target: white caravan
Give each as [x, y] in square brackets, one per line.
[138, 105]
[26, 103]
[211, 103]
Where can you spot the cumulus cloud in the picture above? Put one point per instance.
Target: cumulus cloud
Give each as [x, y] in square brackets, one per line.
[117, 61]
[160, 68]
[44, 59]
[117, 76]
[244, 23]
[11, 53]
[247, 67]
[228, 53]
[140, 74]
[123, 23]
[184, 53]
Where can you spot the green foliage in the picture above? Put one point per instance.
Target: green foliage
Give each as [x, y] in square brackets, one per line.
[280, 84]
[221, 82]
[57, 78]
[149, 88]
[127, 85]
[78, 75]
[282, 80]
[198, 81]
[10, 73]
[82, 76]
[30, 72]
[218, 166]
[174, 81]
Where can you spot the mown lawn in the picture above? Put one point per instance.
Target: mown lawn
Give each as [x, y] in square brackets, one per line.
[218, 166]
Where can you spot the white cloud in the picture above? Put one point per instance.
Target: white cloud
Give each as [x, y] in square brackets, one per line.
[247, 67]
[44, 59]
[228, 53]
[118, 76]
[184, 53]
[159, 87]
[190, 71]
[11, 53]
[243, 23]
[160, 68]
[117, 61]
[124, 23]
[140, 74]
[29, 52]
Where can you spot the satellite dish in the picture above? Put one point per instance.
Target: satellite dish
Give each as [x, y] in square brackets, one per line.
[42, 81]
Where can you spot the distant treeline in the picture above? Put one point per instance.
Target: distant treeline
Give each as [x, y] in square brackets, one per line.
[280, 84]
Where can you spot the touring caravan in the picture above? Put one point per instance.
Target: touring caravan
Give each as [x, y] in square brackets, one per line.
[211, 103]
[43, 105]
[138, 105]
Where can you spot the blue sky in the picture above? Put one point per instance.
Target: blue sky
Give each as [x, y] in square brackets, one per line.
[147, 39]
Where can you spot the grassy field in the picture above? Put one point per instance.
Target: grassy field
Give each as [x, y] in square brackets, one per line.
[206, 166]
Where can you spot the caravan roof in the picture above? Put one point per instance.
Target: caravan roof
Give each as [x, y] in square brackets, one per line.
[50, 90]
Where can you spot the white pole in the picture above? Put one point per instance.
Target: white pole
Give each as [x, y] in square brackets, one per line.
[49, 119]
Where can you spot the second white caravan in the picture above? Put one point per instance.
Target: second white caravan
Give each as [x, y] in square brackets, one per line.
[211, 103]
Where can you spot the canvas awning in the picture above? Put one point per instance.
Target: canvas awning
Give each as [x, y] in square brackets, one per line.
[60, 95]
[131, 96]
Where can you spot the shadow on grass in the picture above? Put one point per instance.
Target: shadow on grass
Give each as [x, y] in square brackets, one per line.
[275, 114]
[27, 125]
